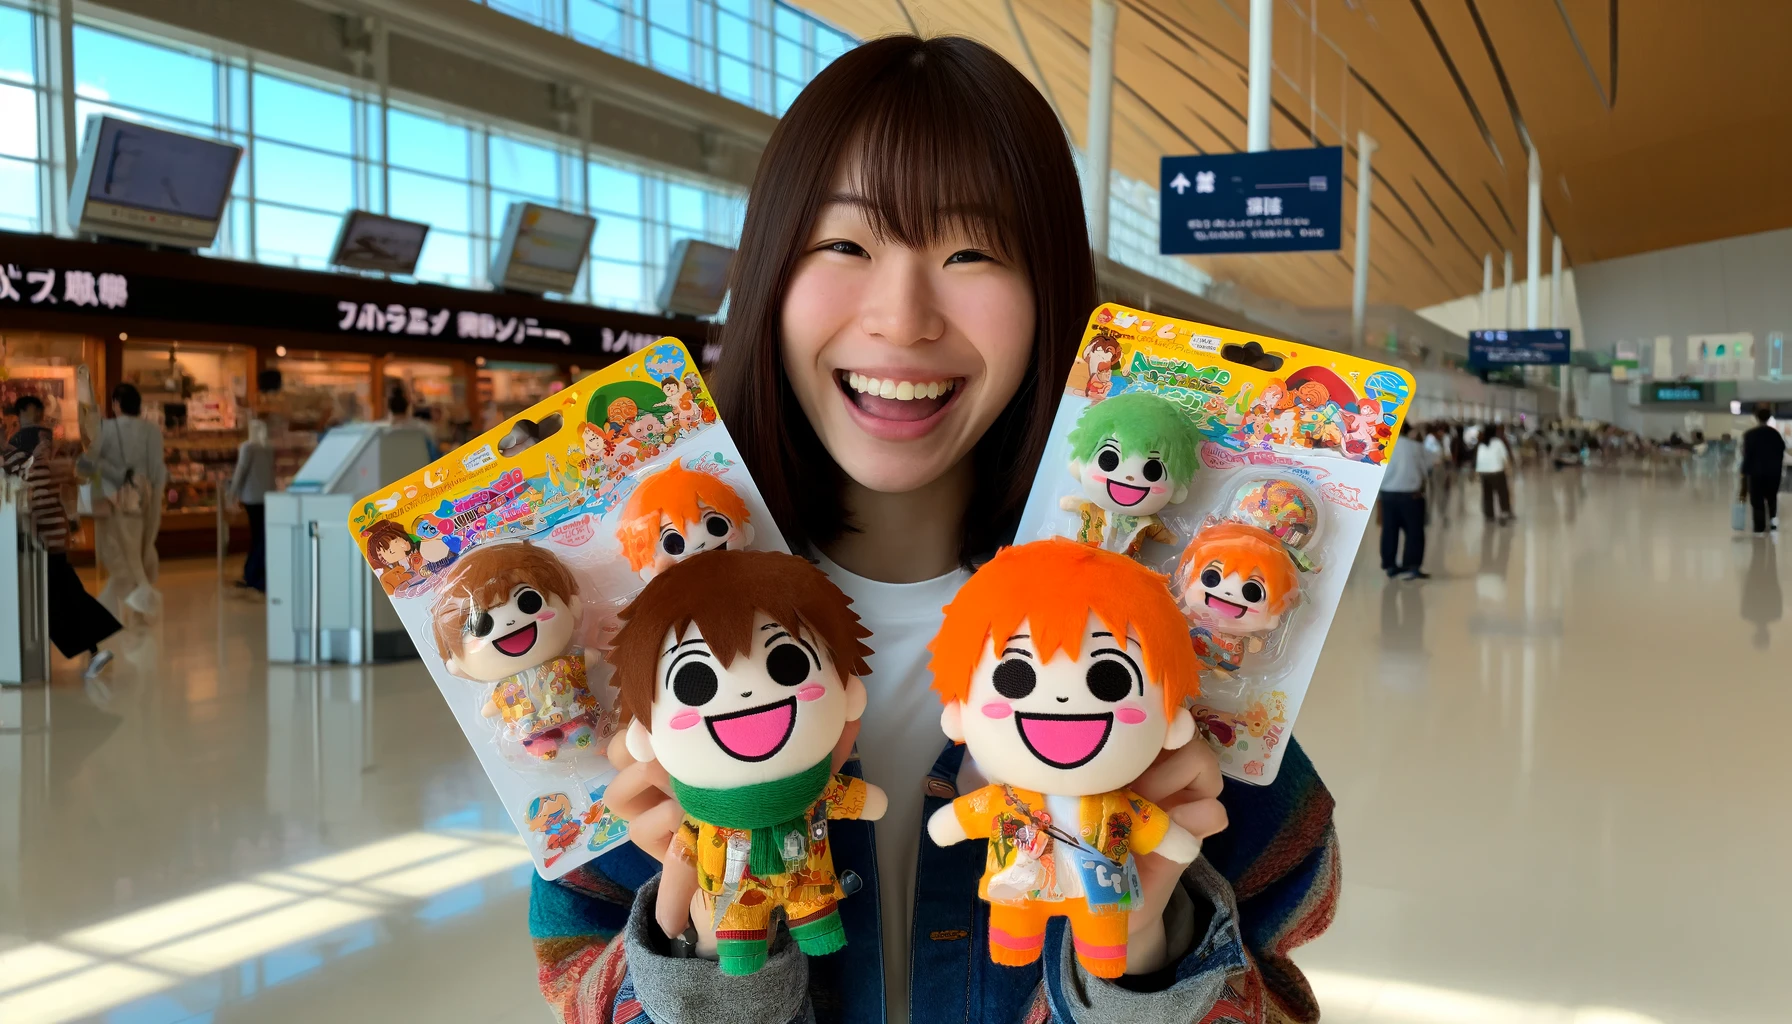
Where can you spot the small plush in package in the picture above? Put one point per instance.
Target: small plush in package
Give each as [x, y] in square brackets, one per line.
[511, 559]
[1243, 469]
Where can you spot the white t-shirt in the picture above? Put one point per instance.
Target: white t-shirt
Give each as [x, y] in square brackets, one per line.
[900, 741]
[1491, 457]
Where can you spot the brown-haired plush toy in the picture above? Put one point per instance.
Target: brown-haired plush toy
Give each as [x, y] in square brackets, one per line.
[737, 671]
[506, 615]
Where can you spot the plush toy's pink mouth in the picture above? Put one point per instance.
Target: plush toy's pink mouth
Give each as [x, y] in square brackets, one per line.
[518, 643]
[1225, 607]
[1065, 741]
[1126, 494]
[756, 733]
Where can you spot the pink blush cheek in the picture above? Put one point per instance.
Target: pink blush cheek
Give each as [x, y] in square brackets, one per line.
[545, 616]
[811, 692]
[1130, 714]
[685, 719]
[997, 709]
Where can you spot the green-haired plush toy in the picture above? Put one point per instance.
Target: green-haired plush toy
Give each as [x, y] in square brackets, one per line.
[1133, 454]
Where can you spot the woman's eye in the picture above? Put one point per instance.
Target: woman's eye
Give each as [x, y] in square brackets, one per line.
[1211, 578]
[483, 624]
[1154, 470]
[672, 543]
[967, 256]
[846, 248]
[528, 602]
[1252, 591]
[1109, 681]
[695, 684]
[787, 664]
[718, 526]
[1014, 679]
[1108, 460]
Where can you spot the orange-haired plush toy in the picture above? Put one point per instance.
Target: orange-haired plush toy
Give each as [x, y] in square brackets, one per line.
[676, 513]
[1063, 669]
[1241, 574]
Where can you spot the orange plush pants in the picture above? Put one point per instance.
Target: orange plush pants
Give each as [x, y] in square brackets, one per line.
[1017, 934]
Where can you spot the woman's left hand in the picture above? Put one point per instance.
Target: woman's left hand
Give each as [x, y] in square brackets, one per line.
[1186, 782]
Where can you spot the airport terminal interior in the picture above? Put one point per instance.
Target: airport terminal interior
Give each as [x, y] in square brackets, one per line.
[388, 245]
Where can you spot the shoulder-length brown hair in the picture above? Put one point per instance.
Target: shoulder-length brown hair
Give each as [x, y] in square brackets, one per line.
[937, 126]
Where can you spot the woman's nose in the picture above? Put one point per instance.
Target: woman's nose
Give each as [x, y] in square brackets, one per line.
[901, 305]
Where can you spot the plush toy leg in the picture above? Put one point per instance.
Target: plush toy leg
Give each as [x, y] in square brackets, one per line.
[741, 934]
[815, 925]
[1100, 939]
[1017, 933]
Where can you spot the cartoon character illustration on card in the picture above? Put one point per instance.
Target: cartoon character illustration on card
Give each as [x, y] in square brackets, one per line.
[738, 671]
[552, 819]
[1366, 430]
[683, 404]
[677, 513]
[505, 616]
[436, 549]
[694, 384]
[1241, 573]
[648, 434]
[1132, 454]
[1101, 357]
[595, 446]
[393, 554]
[1063, 670]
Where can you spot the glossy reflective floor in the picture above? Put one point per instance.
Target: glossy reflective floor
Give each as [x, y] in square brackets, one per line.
[1560, 797]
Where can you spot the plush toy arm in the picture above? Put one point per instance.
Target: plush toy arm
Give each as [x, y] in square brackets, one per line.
[850, 798]
[1070, 503]
[1157, 531]
[1179, 845]
[945, 828]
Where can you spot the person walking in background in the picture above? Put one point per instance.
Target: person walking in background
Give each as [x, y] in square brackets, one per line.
[128, 515]
[1441, 456]
[1403, 507]
[249, 486]
[1492, 458]
[1763, 460]
[78, 623]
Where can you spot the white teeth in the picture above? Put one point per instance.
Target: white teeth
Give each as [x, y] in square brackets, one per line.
[900, 390]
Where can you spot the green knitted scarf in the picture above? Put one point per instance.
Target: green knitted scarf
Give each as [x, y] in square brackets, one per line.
[771, 810]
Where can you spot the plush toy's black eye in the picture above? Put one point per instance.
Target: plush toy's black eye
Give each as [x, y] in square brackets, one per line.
[1154, 470]
[483, 624]
[1109, 681]
[528, 602]
[1015, 678]
[1211, 578]
[1108, 460]
[787, 664]
[672, 543]
[1252, 591]
[718, 526]
[695, 684]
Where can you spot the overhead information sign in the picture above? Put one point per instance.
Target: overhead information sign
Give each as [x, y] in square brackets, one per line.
[1280, 200]
[1518, 348]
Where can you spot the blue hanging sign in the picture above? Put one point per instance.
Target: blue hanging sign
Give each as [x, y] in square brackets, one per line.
[1279, 200]
[1518, 348]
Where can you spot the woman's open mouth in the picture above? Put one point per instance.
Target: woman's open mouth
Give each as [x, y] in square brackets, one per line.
[516, 644]
[756, 733]
[894, 408]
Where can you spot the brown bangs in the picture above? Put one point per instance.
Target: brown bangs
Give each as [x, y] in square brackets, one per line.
[947, 135]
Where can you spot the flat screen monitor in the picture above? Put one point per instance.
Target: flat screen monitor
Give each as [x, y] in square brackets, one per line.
[541, 248]
[696, 278]
[369, 241]
[151, 184]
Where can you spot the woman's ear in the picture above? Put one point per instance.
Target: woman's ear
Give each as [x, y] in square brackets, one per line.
[639, 741]
[952, 721]
[1182, 729]
[855, 699]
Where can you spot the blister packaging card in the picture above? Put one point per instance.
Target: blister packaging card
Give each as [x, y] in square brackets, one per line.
[1243, 468]
[509, 558]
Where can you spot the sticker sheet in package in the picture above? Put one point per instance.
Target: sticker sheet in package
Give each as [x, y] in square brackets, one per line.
[509, 559]
[1244, 469]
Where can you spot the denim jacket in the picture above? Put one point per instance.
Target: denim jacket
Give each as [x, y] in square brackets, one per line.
[1266, 884]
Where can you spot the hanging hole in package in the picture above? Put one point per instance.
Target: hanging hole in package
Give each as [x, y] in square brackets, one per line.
[1242, 468]
[510, 558]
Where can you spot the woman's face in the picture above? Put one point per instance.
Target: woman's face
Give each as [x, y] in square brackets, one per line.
[901, 358]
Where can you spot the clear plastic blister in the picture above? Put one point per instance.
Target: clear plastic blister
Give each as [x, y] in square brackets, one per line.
[509, 559]
[1198, 451]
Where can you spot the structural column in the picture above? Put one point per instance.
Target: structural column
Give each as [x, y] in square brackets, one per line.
[1559, 320]
[1359, 295]
[1098, 139]
[1533, 243]
[1262, 74]
[1506, 293]
[1486, 290]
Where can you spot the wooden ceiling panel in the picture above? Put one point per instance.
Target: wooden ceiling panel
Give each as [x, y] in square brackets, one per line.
[1675, 135]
